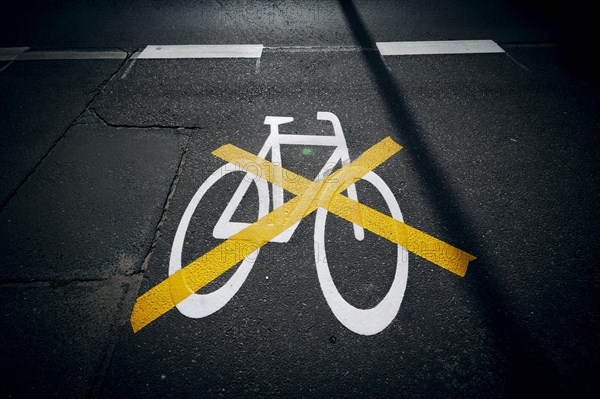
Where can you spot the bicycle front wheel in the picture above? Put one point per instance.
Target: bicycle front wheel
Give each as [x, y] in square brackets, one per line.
[362, 321]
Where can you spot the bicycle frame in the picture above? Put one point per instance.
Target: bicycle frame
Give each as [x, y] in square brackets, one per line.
[225, 228]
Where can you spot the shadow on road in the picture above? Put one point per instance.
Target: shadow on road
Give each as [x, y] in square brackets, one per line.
[529, 371]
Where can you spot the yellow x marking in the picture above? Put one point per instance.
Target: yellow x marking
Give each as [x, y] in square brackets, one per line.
[309, 196]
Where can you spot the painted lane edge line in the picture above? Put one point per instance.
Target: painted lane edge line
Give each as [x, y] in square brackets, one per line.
[439, 47]
[202, 51]
[49, 55]
[10, 53]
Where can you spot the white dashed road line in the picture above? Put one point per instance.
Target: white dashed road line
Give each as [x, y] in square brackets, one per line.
[203, 51]
[439, 47]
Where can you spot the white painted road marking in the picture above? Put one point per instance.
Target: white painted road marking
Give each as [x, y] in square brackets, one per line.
[10, 53]
[246, 50]
[361, 321]
[203, 51]
[439, 47]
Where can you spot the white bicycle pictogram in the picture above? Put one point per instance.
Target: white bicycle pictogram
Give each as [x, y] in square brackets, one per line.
[361, 321]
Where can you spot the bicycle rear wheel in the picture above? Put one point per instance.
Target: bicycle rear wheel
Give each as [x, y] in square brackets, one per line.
[202, 305]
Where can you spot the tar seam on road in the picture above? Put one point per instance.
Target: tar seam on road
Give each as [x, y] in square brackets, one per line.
[6, 66]
[133, 59]
[10, 54]
[513, 59]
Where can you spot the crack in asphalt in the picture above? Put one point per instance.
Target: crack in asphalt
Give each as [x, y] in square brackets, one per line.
[105, 122]
[163, 216]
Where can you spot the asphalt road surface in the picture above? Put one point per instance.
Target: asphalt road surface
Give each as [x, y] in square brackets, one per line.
[105, 147]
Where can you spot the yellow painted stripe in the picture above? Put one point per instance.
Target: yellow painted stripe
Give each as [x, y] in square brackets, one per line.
[167, 294]
[414, 240]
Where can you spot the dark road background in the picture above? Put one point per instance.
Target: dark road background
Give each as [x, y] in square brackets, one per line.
[102, 150]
